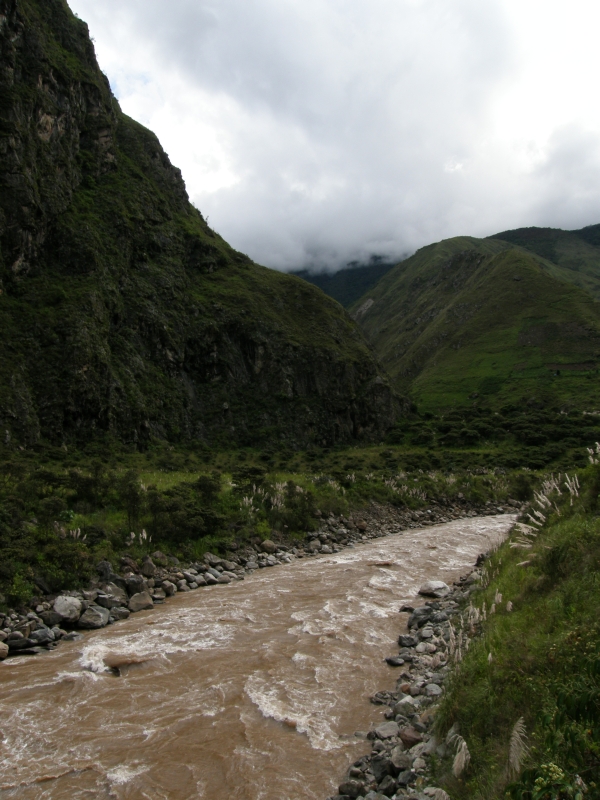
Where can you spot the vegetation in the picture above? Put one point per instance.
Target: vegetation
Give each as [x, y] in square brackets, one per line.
[526, 696]
[350, 283]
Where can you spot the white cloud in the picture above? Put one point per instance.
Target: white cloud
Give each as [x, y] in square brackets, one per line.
[326, 130]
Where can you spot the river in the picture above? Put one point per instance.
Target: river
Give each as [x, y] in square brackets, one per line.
[248, 691]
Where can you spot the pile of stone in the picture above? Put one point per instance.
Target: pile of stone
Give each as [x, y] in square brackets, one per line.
[402, 747]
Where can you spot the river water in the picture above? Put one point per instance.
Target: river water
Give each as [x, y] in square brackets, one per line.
[247, 691]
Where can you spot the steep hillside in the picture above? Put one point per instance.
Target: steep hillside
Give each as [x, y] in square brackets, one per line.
[576, 253]
[349, 284]
[469, 320]
[121, 311]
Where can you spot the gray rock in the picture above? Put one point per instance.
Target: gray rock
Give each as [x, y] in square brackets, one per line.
[42, 635]
[69, 608]
[51, 618]
[72, 636]
[189, 576]
[14, 635]
[381, 765]
[268, 546]
[214, 572]
[251, 565]
[314, 546]
[326, 549]
[3, 651]
[375, 796]
[95, 617]
[169, 588]
[229, 565]
[351, 788]
[120, 613]
[386, 730]
[135, 584]
[15, 645]
[148, 568]
[387, 786]
[212, 560]
[182, 586]
[210, 579]
[432, 690]
[419, 764]
[405, 777]
[193, 585]
[200, 580]
[426, 633]
[141, 601]
[395, 661]
[434, 589]
[405, 640]
[400, 758]
[224, 579]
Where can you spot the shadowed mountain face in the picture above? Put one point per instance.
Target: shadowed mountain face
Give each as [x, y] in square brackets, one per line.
[121, 311]
[349, 284]
[486, 321]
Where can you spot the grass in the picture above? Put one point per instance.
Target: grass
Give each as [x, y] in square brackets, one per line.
[539, 661]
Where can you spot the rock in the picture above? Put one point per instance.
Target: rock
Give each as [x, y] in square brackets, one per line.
[395, 661]
[433, 690]
[14, 635]
[15, 645]
[105, 570]
[51, 618]
[420, 616]
[42, 635]
[405, 777]
[405, 640]
[229, 565]
[128, 562]
[159, 558]
[214, 572]
[200, 581]
[426, 633]
[224, 579]
[381, 765]
[375, 796]
[212, 561]
[351, 788]
[135, 584]
[406, 609]
[69, 608]
[141, 601]
[3, 636]
[210, 579]
[434, 589]
[72, 636]
[268, 546]
[400, 759]
[182, 586]
[406, 707]
[120, 613]
[3, 651]
[387, 786]
[251, 565]
[362, 526]
[158, 594]
[387, 730]
[148, 568]
[169, 588]
[419, 764]
[95, 617]
[314, 546]
[410, 737]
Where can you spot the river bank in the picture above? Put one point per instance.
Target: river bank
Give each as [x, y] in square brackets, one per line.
[133, 586]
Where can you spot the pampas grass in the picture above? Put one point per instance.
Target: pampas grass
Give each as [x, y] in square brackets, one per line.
[517, 749]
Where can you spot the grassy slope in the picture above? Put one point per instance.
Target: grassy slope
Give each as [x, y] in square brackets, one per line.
[545, 659]
[349, 284]
[468, 316]
[576, 253]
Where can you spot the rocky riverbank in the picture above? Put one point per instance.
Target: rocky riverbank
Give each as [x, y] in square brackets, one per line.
[402, 747]
[135, 586]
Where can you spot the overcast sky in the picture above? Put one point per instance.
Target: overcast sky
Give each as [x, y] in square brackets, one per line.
[314, 132]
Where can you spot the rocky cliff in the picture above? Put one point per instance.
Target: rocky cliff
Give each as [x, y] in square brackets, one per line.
[121, 311]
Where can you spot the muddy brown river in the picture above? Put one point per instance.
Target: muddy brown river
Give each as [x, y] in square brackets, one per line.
[248, 691]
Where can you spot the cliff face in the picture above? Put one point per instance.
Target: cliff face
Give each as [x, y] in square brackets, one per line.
[121, 311]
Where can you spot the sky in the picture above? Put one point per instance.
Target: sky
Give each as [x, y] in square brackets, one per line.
[312, 133]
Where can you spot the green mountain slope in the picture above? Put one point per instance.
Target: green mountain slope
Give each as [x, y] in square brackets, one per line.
[470, 320]
[569, 255]
[121, 311]
[349, 284]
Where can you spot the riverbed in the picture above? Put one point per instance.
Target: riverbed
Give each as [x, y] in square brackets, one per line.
[249, 691]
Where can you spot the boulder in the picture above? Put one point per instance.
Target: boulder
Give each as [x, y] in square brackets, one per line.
[210, 579]
[410, 737]
[405, 640]
[120, 613]
[135, 584]
[224, 579]
[140, 601]
[128, 563]
[406, 707]
[387, 786]
[314, 546]
[434, 589]
[351, 788]
[386, 730]
[105, 570]
[42, 635]
[69, 608]
[212, 560]
[15, 645]
[432, 690]
[95, 617]
[148, 568]
[381, 765]
[251, 565]
[169, 588]
[51, 618]
[395, 661]
[362, 526]
[160, 558]
[420, 617]
[400, 759]
[182, 586]
[3, 651]
[268, 546]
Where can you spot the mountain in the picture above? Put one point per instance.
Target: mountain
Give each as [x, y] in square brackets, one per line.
[485, 321]
[348, 284]
[121, 312]
[576, 252]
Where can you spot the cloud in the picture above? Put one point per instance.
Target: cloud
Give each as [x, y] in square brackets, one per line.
[321, 131]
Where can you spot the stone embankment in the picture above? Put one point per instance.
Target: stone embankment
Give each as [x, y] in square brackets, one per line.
[398, 766]
[114, 595]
